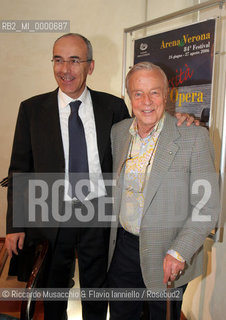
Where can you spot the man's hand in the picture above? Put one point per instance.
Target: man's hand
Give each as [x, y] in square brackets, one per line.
[182, 117]
[14, 240]
[171, 268]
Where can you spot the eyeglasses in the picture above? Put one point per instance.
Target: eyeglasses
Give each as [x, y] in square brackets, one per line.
[144, 178]
[73, 62]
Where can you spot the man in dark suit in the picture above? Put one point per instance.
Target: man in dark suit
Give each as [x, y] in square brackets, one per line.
[41, 145]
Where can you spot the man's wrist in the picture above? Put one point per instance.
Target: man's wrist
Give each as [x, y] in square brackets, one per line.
[176, 255]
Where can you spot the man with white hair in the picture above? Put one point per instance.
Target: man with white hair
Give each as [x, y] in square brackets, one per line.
[166, 198]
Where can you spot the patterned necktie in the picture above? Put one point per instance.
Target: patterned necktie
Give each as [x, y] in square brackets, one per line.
[78, 159]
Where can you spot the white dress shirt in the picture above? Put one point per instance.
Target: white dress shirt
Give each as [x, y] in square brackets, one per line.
[87, 116]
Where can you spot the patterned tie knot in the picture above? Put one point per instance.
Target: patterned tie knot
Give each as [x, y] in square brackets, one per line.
[75, 106]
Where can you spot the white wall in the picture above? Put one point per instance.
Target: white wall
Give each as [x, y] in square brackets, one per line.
[25, 64]
[26, 70]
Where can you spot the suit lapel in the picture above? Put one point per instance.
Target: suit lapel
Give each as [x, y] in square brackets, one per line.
[103, 121]
[50, 125]
[125, 140]
[165, 153]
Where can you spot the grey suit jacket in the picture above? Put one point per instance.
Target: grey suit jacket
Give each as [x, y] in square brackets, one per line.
[181, 202]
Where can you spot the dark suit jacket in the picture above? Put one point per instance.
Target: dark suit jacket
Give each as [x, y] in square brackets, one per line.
[38, 143]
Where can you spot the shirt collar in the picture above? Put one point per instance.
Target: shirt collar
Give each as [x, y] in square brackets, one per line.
[157, 128]
[64, 99]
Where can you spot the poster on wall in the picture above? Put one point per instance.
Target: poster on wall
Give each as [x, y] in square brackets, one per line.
[186, 55]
